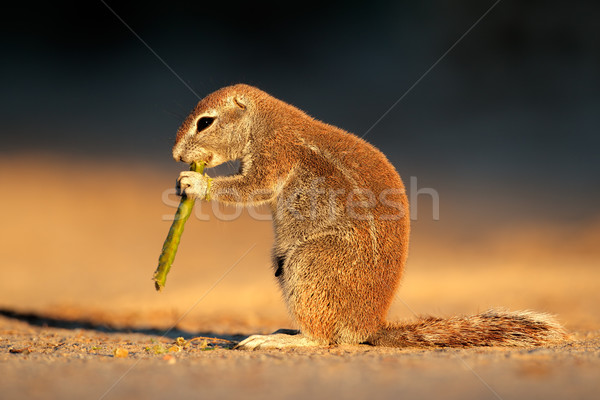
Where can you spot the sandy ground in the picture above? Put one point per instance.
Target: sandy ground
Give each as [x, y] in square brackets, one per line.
[79, 317]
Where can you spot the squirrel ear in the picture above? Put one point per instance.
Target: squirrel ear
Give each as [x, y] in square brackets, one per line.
[240, 102]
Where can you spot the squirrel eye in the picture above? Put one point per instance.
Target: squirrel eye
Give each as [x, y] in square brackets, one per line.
[204, 123]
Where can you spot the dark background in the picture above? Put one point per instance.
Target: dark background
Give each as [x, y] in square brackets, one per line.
[506, 125]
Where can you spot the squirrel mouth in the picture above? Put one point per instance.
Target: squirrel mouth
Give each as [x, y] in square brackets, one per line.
[206, 159]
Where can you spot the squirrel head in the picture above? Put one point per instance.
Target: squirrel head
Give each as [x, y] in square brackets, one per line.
[219, 128]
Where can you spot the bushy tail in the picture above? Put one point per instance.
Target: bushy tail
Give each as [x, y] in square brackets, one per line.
[491, 328]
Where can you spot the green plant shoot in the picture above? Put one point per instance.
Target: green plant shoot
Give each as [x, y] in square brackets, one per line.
[171, 244]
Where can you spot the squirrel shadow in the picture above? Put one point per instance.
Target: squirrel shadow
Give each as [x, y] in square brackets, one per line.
[41, 320]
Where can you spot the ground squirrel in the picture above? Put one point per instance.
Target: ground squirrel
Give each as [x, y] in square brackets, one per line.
[341, 223]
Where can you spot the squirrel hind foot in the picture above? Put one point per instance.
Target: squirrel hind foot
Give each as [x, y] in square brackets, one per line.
[276, 341]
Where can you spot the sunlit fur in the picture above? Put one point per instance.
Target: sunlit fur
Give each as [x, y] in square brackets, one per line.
[338, 272]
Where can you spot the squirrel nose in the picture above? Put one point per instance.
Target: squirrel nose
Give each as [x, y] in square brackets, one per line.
[176, 154]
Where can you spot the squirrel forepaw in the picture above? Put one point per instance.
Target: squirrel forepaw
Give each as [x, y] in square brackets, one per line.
[193, 184]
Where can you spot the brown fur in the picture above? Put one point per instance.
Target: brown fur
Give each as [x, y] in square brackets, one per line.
[490, 328]
[341, 222]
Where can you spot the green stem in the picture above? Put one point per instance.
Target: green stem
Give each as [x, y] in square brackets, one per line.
[172, 241]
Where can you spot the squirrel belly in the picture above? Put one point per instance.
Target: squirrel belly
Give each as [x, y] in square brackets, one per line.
[340, 219]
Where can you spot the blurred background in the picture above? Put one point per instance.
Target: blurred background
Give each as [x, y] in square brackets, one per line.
[505, 129]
